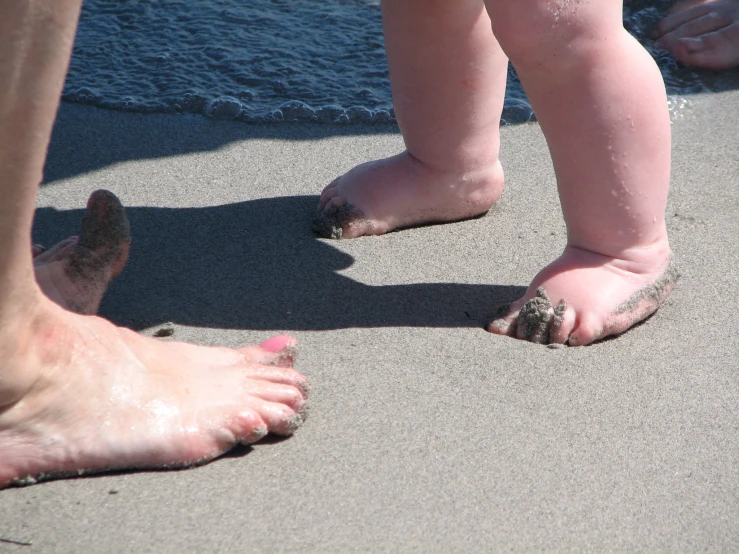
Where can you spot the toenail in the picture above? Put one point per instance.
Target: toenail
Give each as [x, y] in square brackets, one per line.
[280, 343]
[285, 358]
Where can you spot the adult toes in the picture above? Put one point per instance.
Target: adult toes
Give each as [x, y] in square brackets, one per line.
[279, 393]
[281, 376]
[280, 419]
[248, 426]
[57, 252]
[280, 351]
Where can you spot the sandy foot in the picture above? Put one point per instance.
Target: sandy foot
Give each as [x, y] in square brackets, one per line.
[80, 395]
[43, 256]
[381, 196]
[76, 272]
[702, 33]
[596, 296]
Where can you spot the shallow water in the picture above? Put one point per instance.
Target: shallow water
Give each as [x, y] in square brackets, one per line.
[269, 60]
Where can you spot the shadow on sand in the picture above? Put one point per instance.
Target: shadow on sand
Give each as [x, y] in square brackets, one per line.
[256, 265]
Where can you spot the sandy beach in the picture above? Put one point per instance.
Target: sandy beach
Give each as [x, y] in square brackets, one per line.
[426, 433]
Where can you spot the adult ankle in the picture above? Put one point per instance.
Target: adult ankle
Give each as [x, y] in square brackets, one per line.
[20, 328]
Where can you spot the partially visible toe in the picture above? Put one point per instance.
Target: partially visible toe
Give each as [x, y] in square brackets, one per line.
[287, 395]
[535, 318]
[248, 427]
[507, 324]
[334, 202]
[280, 419]
[588, 329]
[328, 193]
[278, 351]
[56, 253]
[342, 222]
[282, 376]
[562, 324]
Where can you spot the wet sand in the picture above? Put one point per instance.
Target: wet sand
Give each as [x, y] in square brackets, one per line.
[426, 433]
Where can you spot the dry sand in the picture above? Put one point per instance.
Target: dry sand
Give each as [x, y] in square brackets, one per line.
[426, 433]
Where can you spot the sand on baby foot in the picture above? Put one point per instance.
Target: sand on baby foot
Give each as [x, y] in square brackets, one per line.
[538, 319]
[330, 223]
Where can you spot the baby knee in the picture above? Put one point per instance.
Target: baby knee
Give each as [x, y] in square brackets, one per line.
[538, 31]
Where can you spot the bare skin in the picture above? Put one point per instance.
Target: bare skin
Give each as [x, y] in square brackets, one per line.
[587, 297]
[76, 272]
[609, 143]
[449, 114]
[78, 394]
[42, 255]
[702, 33]
[86, 396]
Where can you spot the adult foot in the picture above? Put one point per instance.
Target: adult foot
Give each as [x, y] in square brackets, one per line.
[592, 296]
[76, 272]
[62, 249]
[81, 395]
[401, 191]
[702, 33]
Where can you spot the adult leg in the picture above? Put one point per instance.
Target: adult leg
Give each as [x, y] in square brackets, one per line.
[76, 393]
[702, 33]
[447, 75]
[601, 104]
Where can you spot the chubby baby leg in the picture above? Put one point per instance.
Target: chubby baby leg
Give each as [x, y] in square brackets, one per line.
[602, 106]
[448, 75]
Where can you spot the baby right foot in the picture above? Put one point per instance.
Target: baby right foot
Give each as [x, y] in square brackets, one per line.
[584, 296]
[401, 191]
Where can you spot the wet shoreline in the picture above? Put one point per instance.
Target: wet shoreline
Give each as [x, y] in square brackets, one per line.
[270, 60]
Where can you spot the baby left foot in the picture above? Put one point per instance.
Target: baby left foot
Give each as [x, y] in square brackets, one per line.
[592, 296]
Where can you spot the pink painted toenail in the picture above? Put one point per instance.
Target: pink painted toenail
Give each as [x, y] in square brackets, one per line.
[279, 343]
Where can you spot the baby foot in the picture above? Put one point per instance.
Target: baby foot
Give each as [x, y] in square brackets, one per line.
[381, 196]
[80, 395]
[702, 33]
[597, 296]
[76, 272]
